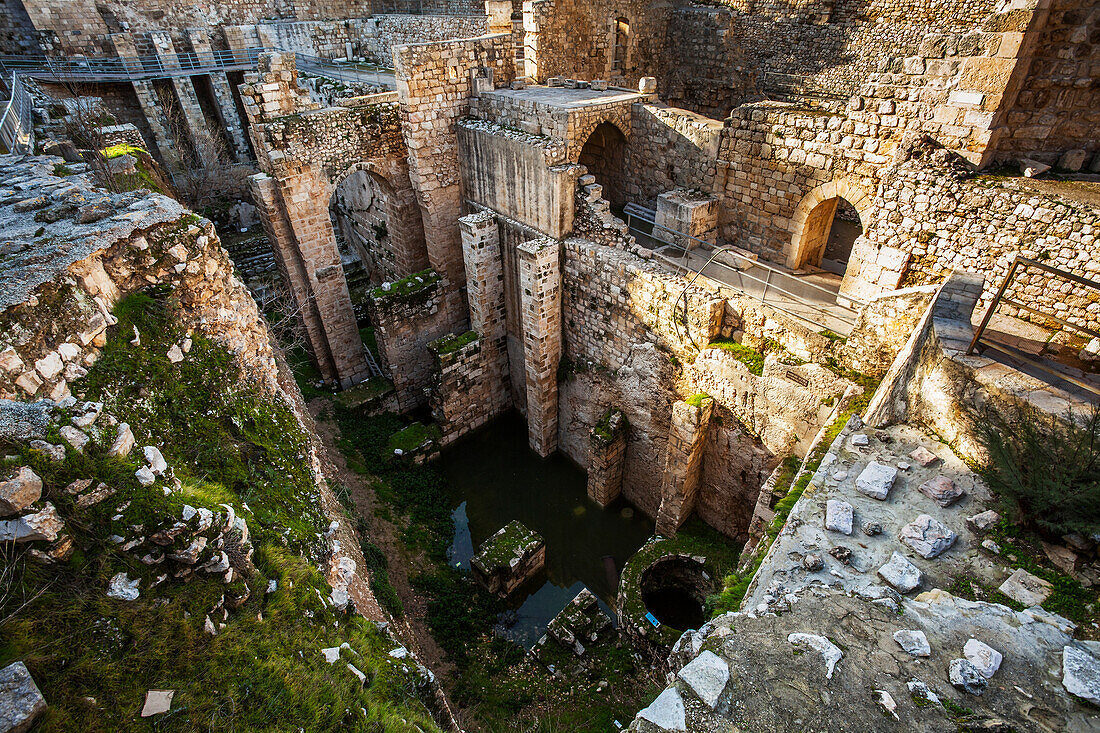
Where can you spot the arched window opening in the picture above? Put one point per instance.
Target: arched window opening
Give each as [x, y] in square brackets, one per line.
[622, 46]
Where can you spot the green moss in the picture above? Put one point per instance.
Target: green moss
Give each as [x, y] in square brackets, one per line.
[117, 151]
[452, 342]
[750, 357]
[409, 286]
[514, 539]
[61, 170]
[228, 443]
[610, 425]
[412, 437]
[696, 400]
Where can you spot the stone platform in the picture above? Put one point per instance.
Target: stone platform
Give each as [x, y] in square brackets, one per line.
[509, 558]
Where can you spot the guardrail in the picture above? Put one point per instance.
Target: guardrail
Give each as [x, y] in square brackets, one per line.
[1020, 264]
[164, 66]
[16, 126]
[772, 281]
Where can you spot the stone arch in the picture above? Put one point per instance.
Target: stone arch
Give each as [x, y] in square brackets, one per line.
[813, 219]
[396, 246]
[602, 155]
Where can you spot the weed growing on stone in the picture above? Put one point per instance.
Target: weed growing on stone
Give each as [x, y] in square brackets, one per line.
[750, 357]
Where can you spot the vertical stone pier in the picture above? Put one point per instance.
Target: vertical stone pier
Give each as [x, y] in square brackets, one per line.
[223, 94]
[485, 293]
[687, 436]
[688, 212]
[540, 306]
[606, 456]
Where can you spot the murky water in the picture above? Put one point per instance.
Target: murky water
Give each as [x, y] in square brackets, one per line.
[495, 478]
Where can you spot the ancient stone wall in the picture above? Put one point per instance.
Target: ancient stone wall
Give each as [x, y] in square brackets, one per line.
[669, 148]
[935, 209]
[382, 33]
[577, 39]
[17, 33]
[1058, 106]
[435, 82]
[882, 328]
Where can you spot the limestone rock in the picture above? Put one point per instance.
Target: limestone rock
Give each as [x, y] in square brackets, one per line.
[190, 554]
[156, 461]
[175, 354]
[913, 642]
[900, 573]
[20, 491]
[985, 658]
[829, 651]
[124, 441]
[53, 452]
[1081, 670]
[707, 675]
[124, 589]
[923, 456]
[927, 537]
[813, 562]
[42, 525]
[101, 492]
[886, 700]
[20, 700]
[1025, 588]
[860, 439]
[1032, 168]
[157, 702]
[838, 516]
[144, 476]
[667, 711]
[920, 690]
[984, 521]
[331, 653]
[875, 480]
[941, 490]
[966, 676]
[1073, 160]
[75, 438]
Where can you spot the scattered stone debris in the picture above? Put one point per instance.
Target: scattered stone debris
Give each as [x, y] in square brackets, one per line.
[707, 675]
[123, 588]
[913, 642]
[985, 658]
[20, 491]
[900, 573]
[1025, 588]
[21, 702]
[157, 702]
[966, 676]
[942, 490]
[876, 480]
[924, 457]
[667, 711]
[983, 522]
[508, 558]
[838, 516]
[829, 651]
[926, 536]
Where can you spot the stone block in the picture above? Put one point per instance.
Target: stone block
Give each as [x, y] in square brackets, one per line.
[838, 516]
[941, 490]
[507, 559]
[1025, 588]
[21, 702]
[985, 658]
[647, 85]
[707, 675]
[913, 642]
[876, 479]
[1081, 670]
[20, 491]
[900, 573]
[926, 536]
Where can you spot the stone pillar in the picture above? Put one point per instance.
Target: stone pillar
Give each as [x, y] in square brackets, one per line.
[606, 456]
[485, 293]
[686, 212]
[298, 225]
[540, 313]
[149, 101]
[223, 94]
[687, 434]
[188, 98]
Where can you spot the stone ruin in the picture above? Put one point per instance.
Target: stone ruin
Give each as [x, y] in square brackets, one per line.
[508, 559]
[560, 211]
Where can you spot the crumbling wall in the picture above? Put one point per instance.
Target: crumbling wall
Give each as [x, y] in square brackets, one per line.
[669, 148]
[933, 207]
[383, 33]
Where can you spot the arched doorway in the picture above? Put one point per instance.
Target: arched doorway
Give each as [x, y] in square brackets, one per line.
[602, 155]
[826, 225]
[359, 209]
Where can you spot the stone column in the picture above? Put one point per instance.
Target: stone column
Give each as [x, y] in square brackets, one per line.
[687, 435]
[185, 92]
[485, 293]
[223, 94]
[301, 235]
[540, 313]
[606, 456]
[148, 100]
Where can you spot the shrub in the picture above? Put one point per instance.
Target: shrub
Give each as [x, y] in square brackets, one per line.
[1045, 472]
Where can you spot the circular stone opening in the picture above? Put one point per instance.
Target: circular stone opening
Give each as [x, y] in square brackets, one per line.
[673, 589]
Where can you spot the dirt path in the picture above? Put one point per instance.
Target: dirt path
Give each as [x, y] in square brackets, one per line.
[413, 627]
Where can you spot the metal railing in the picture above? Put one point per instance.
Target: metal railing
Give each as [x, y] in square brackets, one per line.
[163, 66]
[772, 281]
[16, 125]
[1020, 264]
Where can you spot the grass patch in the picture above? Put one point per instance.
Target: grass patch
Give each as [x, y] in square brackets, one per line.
[407, 287]
[696, 400]
[228, 443]
[411, 437]
[750, 357]
[452, 342]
